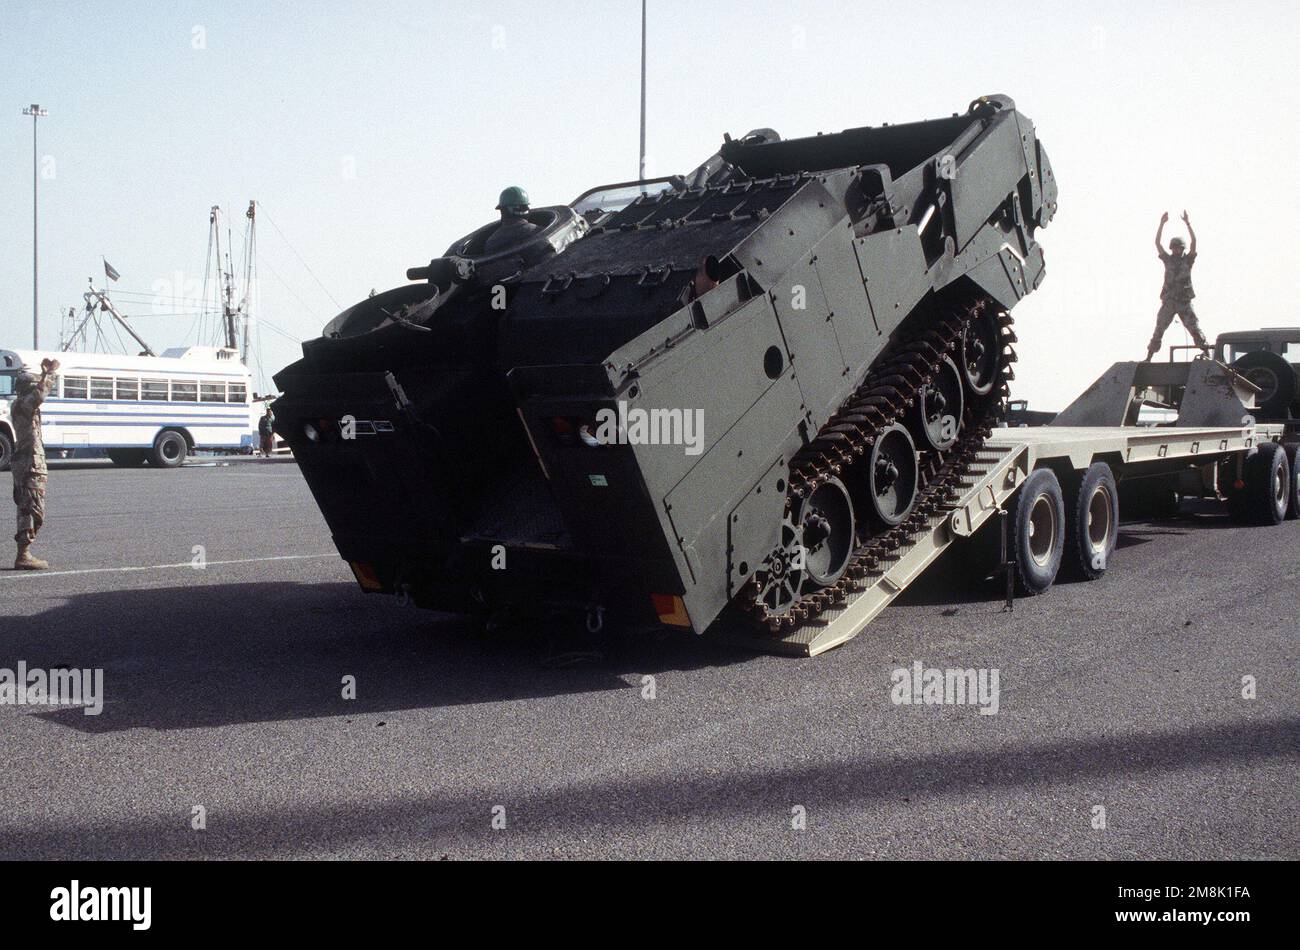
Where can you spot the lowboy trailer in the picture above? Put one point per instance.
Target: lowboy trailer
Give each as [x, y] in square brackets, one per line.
[1055, 490]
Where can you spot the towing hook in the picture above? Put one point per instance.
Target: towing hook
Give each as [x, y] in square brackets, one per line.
[595, 618]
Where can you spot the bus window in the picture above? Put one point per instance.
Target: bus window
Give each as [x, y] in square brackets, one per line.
[128, 389]
[238, 392]
[101, 388]
[212, 392]
[185, 392]
[76, 387]
[154, 390]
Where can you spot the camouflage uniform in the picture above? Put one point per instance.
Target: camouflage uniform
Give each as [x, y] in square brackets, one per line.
[28, 465]
[1176, 300]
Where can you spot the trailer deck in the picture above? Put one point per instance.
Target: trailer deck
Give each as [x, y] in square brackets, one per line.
[1001, 466]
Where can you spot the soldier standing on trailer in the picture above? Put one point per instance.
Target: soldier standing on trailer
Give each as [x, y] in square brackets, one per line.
[1177, 293]
[29, 470]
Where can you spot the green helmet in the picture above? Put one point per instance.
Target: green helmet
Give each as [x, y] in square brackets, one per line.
[513, 200]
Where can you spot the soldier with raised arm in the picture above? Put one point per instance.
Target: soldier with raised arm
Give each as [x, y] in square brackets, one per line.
[1177, 293]
[28, 465]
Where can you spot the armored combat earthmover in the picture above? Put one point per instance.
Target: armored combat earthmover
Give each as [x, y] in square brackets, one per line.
[833, 310]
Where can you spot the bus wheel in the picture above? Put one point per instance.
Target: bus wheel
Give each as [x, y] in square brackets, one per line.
[1094, 522]
[6, 452]
[1038, 537]
[169, 449]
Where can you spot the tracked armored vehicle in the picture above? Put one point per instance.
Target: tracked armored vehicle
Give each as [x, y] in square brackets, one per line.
[732, 394]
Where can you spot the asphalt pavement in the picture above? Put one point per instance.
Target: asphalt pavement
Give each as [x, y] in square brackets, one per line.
[228, 630]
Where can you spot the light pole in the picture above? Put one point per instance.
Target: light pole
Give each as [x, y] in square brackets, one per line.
[641, 176]
[35, 112]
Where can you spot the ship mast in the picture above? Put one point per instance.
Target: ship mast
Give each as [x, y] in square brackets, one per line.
[235, 316]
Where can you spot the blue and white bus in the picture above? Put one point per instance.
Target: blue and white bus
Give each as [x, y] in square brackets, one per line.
[154, 409]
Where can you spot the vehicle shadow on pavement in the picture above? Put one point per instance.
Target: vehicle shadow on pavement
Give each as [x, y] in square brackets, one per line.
[213, 655]
[608, 809]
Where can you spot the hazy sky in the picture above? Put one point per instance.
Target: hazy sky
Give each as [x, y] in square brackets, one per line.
[375, 134]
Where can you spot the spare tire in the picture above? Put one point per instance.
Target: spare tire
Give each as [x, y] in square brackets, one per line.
[1276, 379]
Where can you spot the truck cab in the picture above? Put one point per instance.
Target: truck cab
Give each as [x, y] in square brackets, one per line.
[1269, 358]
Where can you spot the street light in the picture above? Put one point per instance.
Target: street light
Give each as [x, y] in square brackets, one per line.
[35, 111]
[641, 172]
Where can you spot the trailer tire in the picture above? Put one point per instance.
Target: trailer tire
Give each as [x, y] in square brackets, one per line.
[169, 449]
[1094, 522]
[1264, 499]
[6, 451]
[1038, 534]
[1293, 497]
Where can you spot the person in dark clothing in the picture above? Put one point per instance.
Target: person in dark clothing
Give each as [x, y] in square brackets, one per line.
[515, 227]
[266, 429]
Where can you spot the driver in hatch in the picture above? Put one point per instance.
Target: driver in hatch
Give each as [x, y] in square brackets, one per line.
[515, 227]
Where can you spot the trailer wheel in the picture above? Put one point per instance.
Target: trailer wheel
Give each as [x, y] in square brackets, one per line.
[6, 451]
[1094, 522]
[169, 449]
[1038, 535]
[1267, 487]
[1293, 500]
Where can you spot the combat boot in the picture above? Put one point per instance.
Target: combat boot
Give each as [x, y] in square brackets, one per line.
[26, 562]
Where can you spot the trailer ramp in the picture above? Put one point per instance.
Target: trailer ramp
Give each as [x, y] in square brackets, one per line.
[992, 477]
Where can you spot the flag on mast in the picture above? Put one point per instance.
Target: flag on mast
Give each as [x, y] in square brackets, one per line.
[110, 271]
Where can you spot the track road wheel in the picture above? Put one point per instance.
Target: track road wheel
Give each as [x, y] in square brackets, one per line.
[1264, 497]
[169, 450]
[891, 478]
[1293, 499]
[1038, 534]
[981, 354]
[935, 417]
[826, 522]
[1094, 522]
